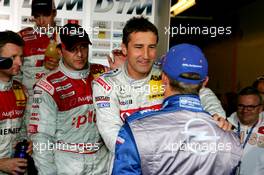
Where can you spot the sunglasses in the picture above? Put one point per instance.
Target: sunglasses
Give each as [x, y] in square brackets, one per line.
[6, 63]
[247, 107]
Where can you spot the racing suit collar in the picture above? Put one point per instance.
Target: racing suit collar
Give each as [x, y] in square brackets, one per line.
[74, 74]
[5, 86]
[184, 101]
[131, 80]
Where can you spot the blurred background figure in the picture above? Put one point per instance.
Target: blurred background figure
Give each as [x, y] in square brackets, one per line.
[37, 40]
[249, 125]
[40, 44]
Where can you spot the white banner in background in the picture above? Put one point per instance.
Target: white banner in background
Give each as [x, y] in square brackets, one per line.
[102, 19]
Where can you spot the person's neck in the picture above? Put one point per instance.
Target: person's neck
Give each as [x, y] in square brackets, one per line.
[4, 78]
[168, 92]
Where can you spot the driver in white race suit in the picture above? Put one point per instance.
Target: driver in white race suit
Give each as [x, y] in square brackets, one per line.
[62, 123]
[13, 98]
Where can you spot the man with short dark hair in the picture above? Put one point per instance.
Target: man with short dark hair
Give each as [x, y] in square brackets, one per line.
[12, 103]
[181, 138]
[249, 125]
[62, 123]
[121, 92]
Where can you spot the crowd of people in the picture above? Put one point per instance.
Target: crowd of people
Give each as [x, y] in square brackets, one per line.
[143, 116]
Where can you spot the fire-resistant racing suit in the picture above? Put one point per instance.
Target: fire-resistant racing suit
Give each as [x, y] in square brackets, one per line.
[181, 138]
[211, 103]
[12, 127]
[117, 96]
[62, 125]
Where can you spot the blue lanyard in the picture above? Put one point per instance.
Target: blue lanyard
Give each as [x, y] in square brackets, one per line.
[249, 134]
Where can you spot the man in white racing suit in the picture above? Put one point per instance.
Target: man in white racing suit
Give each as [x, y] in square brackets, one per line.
[62, 123]
[137, 84]
[13, 99]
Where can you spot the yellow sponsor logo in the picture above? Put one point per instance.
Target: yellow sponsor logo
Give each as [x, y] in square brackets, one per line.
[19, 94]
[156, 88]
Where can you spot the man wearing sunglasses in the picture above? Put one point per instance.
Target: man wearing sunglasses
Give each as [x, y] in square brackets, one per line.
[13, 99]
[5, 63]
[249, 125]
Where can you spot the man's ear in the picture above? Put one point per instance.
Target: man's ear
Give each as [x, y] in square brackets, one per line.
[124, 49]
[261, 108]
[164, 78]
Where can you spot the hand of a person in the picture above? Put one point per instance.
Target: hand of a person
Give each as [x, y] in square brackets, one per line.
[205, 82]
[118, 61]
[51, 63]
[222, 123]
[30, 148]
[13, 166]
